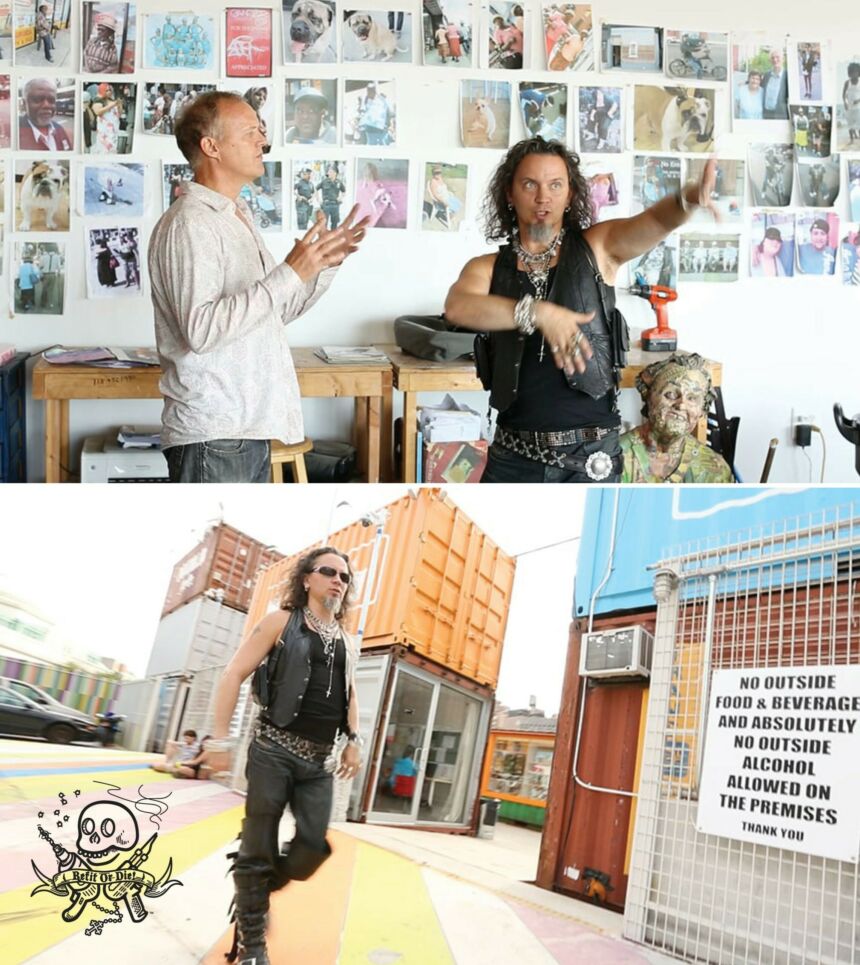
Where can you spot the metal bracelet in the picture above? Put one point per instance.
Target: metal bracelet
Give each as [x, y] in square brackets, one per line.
[220, 745]
[356, 739]
[525, 312]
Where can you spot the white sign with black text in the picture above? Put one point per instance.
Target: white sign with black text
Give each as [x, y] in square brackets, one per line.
[780, 762]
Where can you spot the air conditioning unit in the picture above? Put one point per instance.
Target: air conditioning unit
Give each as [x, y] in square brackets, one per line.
[620, 652]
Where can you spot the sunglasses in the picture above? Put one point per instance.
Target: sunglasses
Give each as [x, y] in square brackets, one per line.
[330, 571]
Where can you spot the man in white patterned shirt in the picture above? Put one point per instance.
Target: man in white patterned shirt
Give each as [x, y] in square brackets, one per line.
[222, 303]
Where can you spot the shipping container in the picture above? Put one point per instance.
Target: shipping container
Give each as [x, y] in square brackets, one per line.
[223, 565]
[517, 770]
[202, 633]
[427, 578]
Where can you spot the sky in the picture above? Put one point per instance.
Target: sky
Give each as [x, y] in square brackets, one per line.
[97, 559]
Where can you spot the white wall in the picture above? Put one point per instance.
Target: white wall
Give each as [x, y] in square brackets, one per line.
[789, 345]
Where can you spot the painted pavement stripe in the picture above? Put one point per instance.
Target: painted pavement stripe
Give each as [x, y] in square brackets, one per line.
[68, 769]
[30, 925]
[391, 917]
[33, 788]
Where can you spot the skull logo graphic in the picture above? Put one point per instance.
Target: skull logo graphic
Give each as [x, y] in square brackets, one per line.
[105, 828]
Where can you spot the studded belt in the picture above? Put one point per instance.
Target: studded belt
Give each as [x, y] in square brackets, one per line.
[314, 752]
[597, 465]
[569, 437]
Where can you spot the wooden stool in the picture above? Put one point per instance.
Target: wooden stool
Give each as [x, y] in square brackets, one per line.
[294, 455]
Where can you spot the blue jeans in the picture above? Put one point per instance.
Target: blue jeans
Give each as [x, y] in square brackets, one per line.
[48, 41]
[220, 461]
[504, 466]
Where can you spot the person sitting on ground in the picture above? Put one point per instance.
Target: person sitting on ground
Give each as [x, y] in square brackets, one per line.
[178, 753]
[191, 768]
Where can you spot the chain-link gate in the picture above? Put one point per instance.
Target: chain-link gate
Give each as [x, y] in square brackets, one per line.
[779, 599]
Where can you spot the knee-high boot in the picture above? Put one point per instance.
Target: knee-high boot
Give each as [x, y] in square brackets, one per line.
[252, 905]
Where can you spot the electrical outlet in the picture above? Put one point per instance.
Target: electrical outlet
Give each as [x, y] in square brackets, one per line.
[804, 420]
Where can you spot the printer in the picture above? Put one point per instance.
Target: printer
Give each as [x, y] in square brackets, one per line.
[104, 460]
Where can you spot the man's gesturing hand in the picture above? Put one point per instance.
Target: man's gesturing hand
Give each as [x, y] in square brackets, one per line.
[323, 248]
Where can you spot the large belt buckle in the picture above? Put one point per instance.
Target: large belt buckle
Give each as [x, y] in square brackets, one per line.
[598, 466]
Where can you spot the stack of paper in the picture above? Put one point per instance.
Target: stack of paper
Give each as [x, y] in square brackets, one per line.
[139, 437]
[350, 354]
[450, 421]
[111, 357]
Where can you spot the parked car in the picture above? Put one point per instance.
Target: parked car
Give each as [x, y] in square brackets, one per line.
[25, 718]
[32, 692]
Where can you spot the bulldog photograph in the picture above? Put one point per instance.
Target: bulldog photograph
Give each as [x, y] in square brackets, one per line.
[181, 41]
[771, 173]
[39, 277]
[673, 119]
[377, 35]
[568, 30]
[261, 98]
[108, 37]
[485, 113]
[818, 180]
[729, 189]
[46, 114]
[113, 190]
[447, 26]
[709, 257]
[42, 195]
[309, 32]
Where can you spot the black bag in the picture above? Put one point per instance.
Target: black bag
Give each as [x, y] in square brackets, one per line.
[431, 337]
[330, 461]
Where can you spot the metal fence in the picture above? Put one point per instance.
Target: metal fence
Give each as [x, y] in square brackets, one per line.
[777, 599]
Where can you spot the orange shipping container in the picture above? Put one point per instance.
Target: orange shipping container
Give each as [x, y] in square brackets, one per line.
[226, 562]
[442, 587]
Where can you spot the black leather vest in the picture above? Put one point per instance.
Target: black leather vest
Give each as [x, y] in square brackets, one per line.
[576, 287]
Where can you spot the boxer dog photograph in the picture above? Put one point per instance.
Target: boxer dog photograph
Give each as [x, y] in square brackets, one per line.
[673, 119]
[42, 195]
[309, 32]
[377, 35]
[485, 113]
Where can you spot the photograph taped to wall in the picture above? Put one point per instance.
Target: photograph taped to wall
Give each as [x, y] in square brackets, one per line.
[632, 49]
[108, 37]
[544, 110]
[310, 112]
[770, 168]
[39, 277]
[181, 40]
[381, 35]
[5, 111]
[2, 186]
[320, 185]
[43, 36]
[310, 31]
[729, 192]
[659, 266]
[818, 180]
[812, 127]
[854, 188]
[447, 28]
[6, 44]
[608, 186]
[42, 195]
[653, 179]
[759, 78]
[162, 102]
[697, 54]
[809, 63]
[485, 113]
[382, 191]
[601, 120]
[107, 116]
[265, 198]
[849, 251]
[506, 32]
[817, 241]
[848, 105]
[673, 118]
[709, 257]
[772, 244]
[248, 42]
[369, 112]
[568, 30]
[46, 114]
[443, 202]
[173, 177]
[113, 263]
[260, 97]
[113, 190]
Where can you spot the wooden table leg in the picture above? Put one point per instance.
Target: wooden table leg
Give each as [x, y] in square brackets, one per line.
[53, 432]
[65, 473]
[359, 433]
[374, 407]
[386, 467]
[410, 412]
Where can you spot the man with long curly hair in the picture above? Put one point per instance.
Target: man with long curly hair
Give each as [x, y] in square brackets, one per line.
[305, 685]
[555, 343]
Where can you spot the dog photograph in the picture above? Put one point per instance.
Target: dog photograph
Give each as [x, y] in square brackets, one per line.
[382, 191]
[369, 112]
[812, 128]
[248, 42]
[113, 190]
[770, 168]
[607, 188]
[673, 119]
[39, 277]
[634, 50]
[709, 257]
[729, 189]
[601, 120]
[173, 177]
[505, 40]
[659, 266]
[377, 35]
[485, 113]
[180, 41]
[265, 198]
[443, 201]
[310, 32]
[447, 32]
[113, 263]
[568, 30]
[261, 97]
[772, 244]
[310, 111]
[42, 195]
[818, 180]
[653, 179]
[697, 54]
[759, 78]
[543, 108]
[816, 235]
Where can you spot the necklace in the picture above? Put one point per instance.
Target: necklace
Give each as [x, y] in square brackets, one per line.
[537, 268]
[329, 634]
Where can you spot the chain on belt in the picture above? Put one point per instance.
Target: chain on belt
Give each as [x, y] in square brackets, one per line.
[314, 752]
[597, 466]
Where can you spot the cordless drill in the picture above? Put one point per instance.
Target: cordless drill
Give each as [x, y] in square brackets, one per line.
[662, 338]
